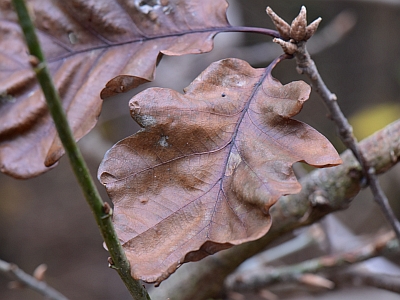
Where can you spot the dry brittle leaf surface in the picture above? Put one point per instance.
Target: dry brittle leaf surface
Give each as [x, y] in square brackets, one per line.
[91, 46]
[206, 167]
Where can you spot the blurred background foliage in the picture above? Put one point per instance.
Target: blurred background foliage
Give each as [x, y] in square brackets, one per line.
[373, 118]
[46, 220]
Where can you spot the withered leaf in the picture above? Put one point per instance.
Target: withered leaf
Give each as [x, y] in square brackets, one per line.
[206, 167]
[88, 44]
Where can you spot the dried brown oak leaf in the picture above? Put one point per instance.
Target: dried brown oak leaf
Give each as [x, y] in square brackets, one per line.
[206, 167]
[87, 44]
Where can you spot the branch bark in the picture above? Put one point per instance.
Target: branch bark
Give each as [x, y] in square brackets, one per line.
[324, 191]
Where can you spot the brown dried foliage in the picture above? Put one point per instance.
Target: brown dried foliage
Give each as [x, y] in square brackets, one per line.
[203, 172]
[87, 43]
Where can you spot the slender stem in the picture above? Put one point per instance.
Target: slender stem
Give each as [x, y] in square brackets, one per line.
[314, 235]
[27, 280]
[264, 31]
[360, 276]
[101, 210]
[263, 276]
[306, 65]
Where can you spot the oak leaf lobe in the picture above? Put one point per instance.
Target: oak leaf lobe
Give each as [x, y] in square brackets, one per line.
[206, 167]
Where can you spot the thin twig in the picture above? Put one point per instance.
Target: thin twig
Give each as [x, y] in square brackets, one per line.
[101, 210]
[305, 65]
[314, 235]
[360, 276]
[256, 279]
[25, 279]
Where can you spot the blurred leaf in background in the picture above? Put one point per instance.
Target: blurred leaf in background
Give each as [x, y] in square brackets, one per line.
[372, 118]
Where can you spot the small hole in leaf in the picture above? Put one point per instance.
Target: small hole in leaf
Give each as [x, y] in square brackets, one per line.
[148, 2]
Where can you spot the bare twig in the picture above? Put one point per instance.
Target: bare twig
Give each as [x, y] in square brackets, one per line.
[382, 281]
[314, 235]
[256, 279]
[296, 46]
[25, 279]
[306, 65]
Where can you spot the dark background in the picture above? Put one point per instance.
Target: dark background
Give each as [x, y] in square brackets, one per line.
[46, 220]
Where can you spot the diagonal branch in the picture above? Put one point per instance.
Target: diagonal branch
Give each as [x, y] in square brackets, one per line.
[305, 65]
[25, 279]
[296, 46]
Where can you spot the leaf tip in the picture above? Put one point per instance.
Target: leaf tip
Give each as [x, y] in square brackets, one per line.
[121, 84]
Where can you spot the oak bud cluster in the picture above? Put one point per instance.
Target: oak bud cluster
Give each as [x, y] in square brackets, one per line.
[294, 33]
